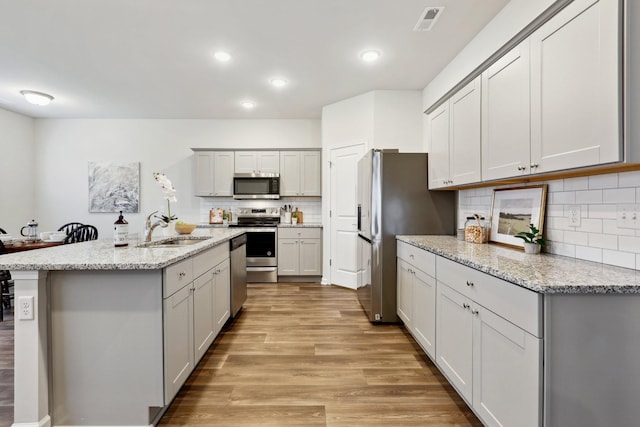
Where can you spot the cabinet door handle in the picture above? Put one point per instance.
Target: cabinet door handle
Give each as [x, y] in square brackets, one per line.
[522, 168]
[469, 283]
[181, 274]
[465, 305]
[411, 256]
[475, 312]
[534, 165]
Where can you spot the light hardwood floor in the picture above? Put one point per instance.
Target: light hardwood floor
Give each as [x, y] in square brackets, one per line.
[305, 354]
[301, 355]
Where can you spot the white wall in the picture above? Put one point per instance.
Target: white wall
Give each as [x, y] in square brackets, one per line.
[380, 119]
[17, 168]
[64, 148]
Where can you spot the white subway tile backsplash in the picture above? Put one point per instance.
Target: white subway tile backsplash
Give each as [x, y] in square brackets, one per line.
[603, 181]
[602, 211]
[563, 249]
[555, 186]
[610, 226]
[629, 244]
[581, 183]
[604, 241]
[562, 197]
[588, 253]
[629, 179]
[590, 225]
[554, 234]
[598, 197]
[576, 238]
[589, 196]
[619, 195]
[621, 259]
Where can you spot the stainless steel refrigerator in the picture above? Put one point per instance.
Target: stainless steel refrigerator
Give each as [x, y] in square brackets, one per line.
[393, 199]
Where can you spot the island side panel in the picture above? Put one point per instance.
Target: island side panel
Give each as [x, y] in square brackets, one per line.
[31, 366]
[592, 349]
[106, 346]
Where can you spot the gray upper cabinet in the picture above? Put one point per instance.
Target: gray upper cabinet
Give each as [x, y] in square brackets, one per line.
[575, 88]
[257, 162]
[214, 173]
[300, 173]
[506, 133]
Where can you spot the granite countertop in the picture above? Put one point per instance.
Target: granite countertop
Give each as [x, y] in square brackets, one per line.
[544, 273]
[102, 255]
[281, 225]
[303, 225]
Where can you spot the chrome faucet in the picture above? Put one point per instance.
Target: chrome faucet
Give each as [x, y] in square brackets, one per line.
[148, 227]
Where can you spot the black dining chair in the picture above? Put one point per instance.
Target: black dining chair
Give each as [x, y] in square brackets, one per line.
[83, 233]
[6, 284]
[68, 228]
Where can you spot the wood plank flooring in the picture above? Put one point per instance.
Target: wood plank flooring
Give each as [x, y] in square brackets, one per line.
[305, 354]
[300, 355]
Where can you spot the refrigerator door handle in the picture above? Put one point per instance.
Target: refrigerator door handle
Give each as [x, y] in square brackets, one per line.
[359, 218]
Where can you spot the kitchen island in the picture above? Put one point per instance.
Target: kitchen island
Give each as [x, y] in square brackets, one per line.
[113, 332]
[527, 340]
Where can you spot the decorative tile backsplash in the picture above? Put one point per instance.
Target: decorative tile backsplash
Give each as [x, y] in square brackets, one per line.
[310, 206]
[598, 198]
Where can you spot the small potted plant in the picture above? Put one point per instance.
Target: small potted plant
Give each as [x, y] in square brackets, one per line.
[294, 218]
[533, 239]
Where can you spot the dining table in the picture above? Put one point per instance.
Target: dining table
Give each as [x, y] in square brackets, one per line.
[19, 246]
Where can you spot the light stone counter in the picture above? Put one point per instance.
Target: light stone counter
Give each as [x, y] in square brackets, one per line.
[102, 255]
[544, 273]
[304, 225]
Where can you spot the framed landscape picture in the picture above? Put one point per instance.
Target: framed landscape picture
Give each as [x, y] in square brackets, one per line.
[513, 210]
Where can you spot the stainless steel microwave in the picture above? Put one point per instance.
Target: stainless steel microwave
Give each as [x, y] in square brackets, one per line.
[256, 186]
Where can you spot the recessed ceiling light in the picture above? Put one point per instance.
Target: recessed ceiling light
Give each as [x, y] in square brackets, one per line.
[279, 82]
[370, 55]
[222, 56]
[36, 98]
[248, 105]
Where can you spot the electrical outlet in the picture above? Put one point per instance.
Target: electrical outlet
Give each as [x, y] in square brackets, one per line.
[25, 307]
[573, 214]
[627, 216]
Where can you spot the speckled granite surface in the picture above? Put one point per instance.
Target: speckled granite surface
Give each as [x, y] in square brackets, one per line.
[548, 274]
[281, 225]
[102, 255]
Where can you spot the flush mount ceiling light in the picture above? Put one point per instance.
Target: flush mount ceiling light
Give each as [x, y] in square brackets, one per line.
[277, 82]
[222, 56]
[370, 55]
[248, 105]
[36, 98]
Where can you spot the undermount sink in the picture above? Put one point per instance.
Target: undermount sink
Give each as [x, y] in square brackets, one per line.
[173, 242]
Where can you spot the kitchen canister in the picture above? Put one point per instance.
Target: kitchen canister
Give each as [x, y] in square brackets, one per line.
[476, 229]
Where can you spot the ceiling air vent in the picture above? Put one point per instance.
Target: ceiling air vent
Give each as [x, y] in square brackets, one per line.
[428, 18]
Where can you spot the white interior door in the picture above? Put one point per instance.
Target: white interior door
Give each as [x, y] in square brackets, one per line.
[344, 230]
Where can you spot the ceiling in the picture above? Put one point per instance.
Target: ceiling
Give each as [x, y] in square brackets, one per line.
[153, 58]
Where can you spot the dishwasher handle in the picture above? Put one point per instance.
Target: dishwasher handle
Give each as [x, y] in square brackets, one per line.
[237, 242]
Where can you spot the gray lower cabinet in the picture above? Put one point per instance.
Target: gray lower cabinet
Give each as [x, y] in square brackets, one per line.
[194, 313]
[484, 334]
[299, 251]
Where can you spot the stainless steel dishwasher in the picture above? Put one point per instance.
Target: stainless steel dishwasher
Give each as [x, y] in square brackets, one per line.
[238, 258]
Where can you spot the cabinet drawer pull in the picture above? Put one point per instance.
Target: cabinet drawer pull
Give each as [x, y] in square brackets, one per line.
[469, 283]
[181, 274]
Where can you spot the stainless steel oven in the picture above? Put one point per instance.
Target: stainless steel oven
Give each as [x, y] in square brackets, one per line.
[262, 242]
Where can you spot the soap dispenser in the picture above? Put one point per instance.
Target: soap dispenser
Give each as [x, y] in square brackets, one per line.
[120, 232]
